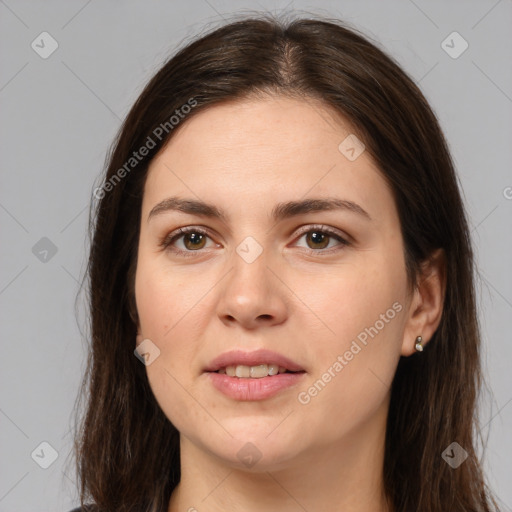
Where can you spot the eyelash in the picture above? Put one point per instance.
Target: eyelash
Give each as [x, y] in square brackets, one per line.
[166, 242]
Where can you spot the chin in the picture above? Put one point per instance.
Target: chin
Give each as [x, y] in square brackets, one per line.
[256, 451]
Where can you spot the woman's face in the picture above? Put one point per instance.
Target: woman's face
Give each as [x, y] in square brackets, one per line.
[274, 277]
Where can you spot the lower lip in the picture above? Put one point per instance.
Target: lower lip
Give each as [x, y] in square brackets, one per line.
[253, 389]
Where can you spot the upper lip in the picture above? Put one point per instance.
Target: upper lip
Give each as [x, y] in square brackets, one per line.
[254, 358]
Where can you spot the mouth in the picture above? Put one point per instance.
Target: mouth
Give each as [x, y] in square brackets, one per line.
[252, 365]
[254, 372]
[253, 376]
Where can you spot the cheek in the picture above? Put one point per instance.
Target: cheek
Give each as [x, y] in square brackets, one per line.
[354, 364]
[171, 306]
[355, 298]
[165, 298]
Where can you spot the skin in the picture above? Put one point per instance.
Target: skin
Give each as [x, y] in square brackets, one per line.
[245, 157]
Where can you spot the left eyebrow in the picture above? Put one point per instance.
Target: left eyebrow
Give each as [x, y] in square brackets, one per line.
[294, 208]
[279, 212]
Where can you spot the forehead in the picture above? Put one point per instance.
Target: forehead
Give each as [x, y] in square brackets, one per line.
[271, 125]
[275, 147]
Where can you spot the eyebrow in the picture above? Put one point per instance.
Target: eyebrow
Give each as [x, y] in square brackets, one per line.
[279, 212]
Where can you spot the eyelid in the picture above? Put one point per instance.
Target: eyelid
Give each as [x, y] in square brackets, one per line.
[324, 228]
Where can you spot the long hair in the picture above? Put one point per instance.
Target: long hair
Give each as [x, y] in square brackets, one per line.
[127, 451]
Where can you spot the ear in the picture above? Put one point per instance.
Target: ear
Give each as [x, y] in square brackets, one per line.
[426, 307]
[139, 338]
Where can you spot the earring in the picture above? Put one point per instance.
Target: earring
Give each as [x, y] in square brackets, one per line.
[419, 346]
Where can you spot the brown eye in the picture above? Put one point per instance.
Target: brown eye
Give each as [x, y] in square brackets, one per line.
[318, 239]
[195, 239]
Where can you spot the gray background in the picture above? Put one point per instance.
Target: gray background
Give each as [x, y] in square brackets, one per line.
[59, 116]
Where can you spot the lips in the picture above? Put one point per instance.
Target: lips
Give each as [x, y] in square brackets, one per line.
[254, 358]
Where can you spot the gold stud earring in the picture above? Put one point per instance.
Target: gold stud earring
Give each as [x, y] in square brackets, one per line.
[419, 346]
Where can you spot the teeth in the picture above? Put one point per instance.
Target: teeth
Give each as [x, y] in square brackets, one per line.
[255, 372]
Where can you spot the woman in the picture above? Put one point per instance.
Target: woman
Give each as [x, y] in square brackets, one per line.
[281, 288]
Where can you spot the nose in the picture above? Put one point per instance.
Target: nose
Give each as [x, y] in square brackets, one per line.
[252, 294]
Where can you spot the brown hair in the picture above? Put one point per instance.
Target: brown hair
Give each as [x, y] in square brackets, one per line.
[127, 450]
